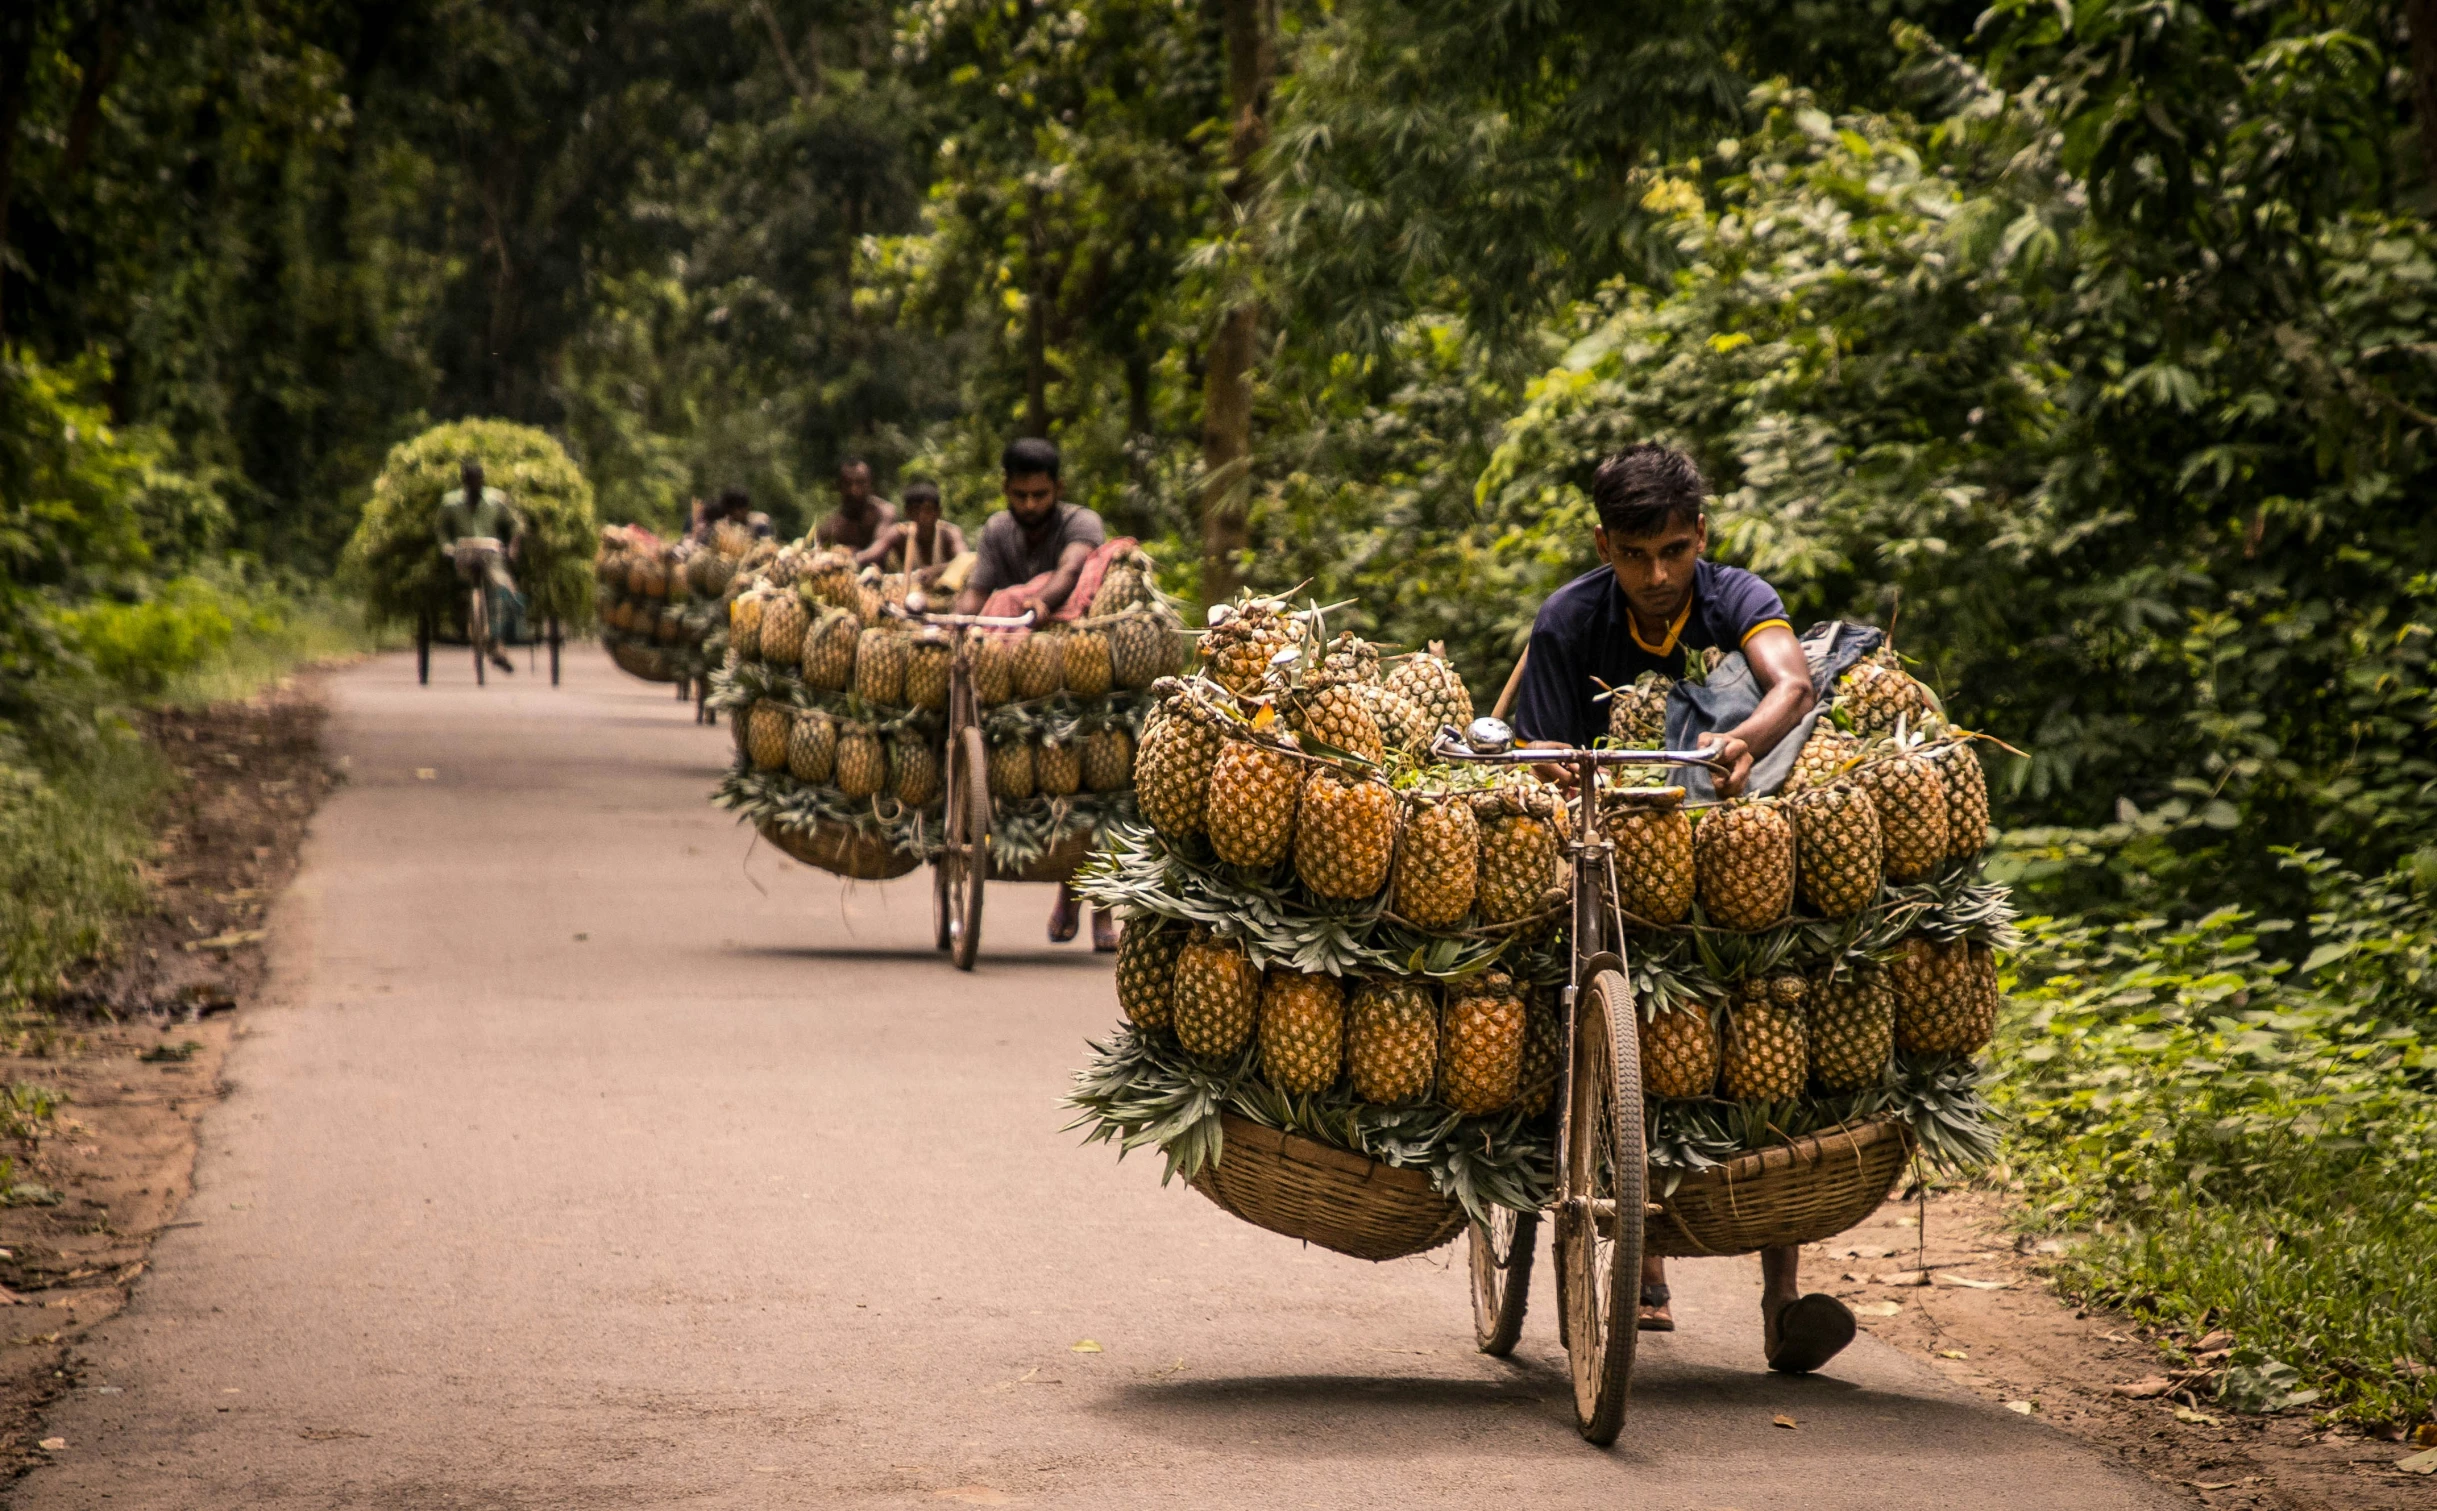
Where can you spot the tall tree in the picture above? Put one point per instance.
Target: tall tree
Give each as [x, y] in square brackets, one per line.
[1227, 382]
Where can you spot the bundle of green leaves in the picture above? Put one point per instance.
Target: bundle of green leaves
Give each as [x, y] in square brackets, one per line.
[395, 558]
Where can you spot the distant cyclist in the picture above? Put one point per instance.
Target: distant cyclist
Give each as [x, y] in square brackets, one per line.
[480, 533]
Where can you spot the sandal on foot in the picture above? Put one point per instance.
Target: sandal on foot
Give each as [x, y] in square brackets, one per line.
[1808, 1333]
[1655, 1318]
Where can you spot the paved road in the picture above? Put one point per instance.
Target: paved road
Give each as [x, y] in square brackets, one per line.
[587, 1160]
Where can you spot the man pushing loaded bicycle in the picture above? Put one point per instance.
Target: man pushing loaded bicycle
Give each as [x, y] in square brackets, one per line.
[1653, 599]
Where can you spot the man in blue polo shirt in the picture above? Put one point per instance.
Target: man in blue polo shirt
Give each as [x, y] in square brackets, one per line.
[1653, 599]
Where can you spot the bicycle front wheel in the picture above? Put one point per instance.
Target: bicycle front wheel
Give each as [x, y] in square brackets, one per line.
[1501, 1278]
[478, 630]
[1600, 1205]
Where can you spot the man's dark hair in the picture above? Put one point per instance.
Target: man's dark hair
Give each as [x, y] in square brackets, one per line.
[1029, 456]
[851, 463]
[918, 494]
[469, 476]
[733, 501]
[1644, 489]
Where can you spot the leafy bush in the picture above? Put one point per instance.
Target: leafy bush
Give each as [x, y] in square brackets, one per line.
[395, 561]
[70, 847]
[2252, 1144]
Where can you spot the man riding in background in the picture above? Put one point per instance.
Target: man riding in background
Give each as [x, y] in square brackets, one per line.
[1653, 599]
[861, 515]
[1031, 556]
[480, 532]
[922, 543]
[732, 506]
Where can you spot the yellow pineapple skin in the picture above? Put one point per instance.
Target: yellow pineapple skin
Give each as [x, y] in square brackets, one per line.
[1765, 1056]
[1254, 791]
[1654, 869]
[1911, 804]
[1302, 1030]
[1679, 1053]
[1216, 998]
[1438, 864]
[1743, 866]
[1172, 770]
[1147, 949]
[1942, 1005]
[1392, 1040]
[1481, 1048]
[1839, 854]
[1345, 835]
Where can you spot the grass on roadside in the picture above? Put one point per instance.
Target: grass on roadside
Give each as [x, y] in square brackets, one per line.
[2248, 1145]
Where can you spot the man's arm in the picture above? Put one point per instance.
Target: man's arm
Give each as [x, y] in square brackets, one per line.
[1784, 677]
[884, 541]
[1046, 599]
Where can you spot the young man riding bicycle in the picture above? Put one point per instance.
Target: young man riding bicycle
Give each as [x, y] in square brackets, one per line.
[480, 533]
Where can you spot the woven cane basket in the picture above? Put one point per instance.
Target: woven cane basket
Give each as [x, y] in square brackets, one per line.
[1796, 1193]
[1291, 1185]
[643, 661]
[835, 847]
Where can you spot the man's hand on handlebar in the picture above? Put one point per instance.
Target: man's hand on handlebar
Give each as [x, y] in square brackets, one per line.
[1735, 756]
[1557, 774]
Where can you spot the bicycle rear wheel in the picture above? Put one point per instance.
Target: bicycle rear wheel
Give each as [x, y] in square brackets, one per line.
[1600, 1206]
[964, 860]
[478, 630]
[1501, 1254]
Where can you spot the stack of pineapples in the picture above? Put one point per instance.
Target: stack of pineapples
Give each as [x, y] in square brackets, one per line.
[840, 706]
[659, 604]
[1352, 941]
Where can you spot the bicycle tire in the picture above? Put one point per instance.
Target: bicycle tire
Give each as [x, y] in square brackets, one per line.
[1500, 1260]
[1603, 1188]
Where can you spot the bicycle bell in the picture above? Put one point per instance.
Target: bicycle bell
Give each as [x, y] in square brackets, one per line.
[1488, 736]
[916, 602]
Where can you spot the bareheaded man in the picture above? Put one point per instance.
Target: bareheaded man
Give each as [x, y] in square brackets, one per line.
[480, 533]
[1031, 555]
[1653, 599]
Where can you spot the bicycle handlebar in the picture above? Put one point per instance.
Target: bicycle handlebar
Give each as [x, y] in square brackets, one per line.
[1450, 746]
[1021, 621]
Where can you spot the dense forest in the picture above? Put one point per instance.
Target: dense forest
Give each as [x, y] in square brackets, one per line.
[2089, 345]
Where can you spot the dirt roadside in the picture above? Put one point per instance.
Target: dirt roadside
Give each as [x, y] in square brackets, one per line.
[133, 1057]
[1974, 1303]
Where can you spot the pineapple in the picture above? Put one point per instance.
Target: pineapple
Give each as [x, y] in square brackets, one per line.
[1217, 996]
[1345, 834]
[1940, 1005]
[1743, 865]
[1057, 768]
[766, 734]
[1438, 866]
[1302, 1030]
[914, 777]
[1481, 1047]
[862, 769]
[993, 669]
[1653, 860]
[745, 627]
[1146, 970]
[1967, 799]
[1126, 585]
[1241, 641]
[1637, 715]
[1011, 771]
[1428, 679]
[1541, 1053]
[1350, 658]
[880, 667]
[1911, 804]
[1172, 772]
[1985, 997]
[1040, 665]
[1335, 714]
[1838, 856]
[1392, 1040]
[1108, 760]
[926, 671]
[1679, 1052]
[829, 650]
[783, 625]
[1876, 697]
[812, 747]
[1088, 669]
[1852, 1030]
[1142, 648]
[1251, 813]
[1822, 758]
[1766, 1056]
[1402, 724]
[1518, 856]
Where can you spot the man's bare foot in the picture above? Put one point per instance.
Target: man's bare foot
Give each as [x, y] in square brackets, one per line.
[1064, 916]
[1104, 932]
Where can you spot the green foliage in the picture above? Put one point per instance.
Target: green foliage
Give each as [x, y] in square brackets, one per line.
[70, 847]
[2252, 1143]
[395, 558]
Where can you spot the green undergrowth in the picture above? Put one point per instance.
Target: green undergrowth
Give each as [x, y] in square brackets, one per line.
[2243, 1123]
[72, 840]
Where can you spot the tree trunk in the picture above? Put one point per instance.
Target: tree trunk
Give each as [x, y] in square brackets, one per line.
[17, 30]
[1036, 324]
[1227, 382]
[2421, 17]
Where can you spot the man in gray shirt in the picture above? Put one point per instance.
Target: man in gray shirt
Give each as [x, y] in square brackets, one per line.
[1038, 535]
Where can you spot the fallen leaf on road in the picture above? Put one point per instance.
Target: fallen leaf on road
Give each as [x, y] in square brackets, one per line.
[2143, 1390]
[2196, 1418]
[1171, 1369]
[1783, 1421]
[329, 1434]
[53, 1445]
[426, 774]
[228, 941]
[1880, 1308]
[10, 1298]
[1087, 1346]
[1978, 1285]
[2024, 1407]
[2216, 1340]
[1952, 1353]
[2418, 1463]
[1901, 1277]
[2212, 1484]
